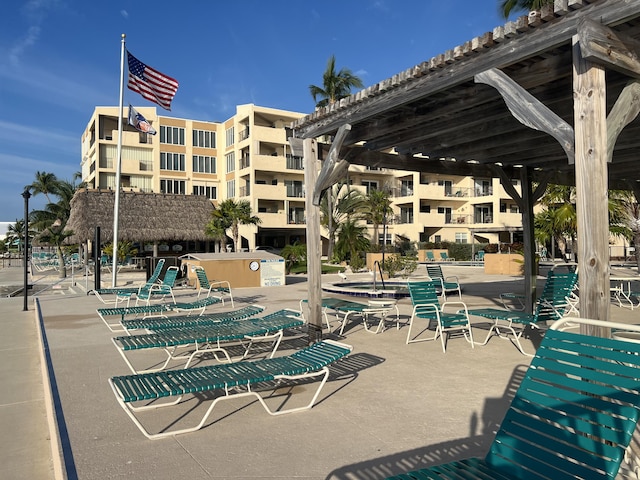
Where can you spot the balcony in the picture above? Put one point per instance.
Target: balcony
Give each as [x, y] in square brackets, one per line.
[269, 192]
[245, 190]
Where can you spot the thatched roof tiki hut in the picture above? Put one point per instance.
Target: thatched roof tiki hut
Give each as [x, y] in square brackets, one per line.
[551, 97]
[143, 217]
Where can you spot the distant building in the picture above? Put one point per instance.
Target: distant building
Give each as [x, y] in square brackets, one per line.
[4, 228]
[248, 157]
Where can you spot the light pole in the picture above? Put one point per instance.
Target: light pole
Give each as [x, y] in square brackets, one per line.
[26, 195]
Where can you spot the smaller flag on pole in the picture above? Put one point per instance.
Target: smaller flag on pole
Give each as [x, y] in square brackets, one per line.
[150, 83]
[137, 121]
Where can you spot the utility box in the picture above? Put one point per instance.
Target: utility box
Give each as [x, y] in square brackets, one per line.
[240, 269]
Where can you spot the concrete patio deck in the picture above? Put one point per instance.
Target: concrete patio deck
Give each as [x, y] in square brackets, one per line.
[388, 408]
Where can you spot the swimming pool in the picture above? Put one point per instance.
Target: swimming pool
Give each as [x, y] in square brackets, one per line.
[391, 289]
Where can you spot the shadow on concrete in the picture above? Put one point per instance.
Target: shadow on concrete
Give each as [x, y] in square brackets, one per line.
[476, 445]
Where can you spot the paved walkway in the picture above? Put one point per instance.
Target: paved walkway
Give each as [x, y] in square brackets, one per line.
[388, 408]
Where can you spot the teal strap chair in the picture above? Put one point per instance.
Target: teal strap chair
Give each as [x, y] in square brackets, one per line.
[449, 284]
[159, 290]
[137, 393]
[573, 415]
[220, 288]
[426, 306]
[550, 306]
[184, 343]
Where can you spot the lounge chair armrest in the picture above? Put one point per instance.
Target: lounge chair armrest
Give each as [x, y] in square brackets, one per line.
[464, 306]
[425, 306]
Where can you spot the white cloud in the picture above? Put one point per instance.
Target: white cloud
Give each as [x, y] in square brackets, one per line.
[37, 136]
[124, 14]
[36, 12]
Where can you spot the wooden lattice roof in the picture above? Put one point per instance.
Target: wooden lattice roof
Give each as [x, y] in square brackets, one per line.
[439, 109]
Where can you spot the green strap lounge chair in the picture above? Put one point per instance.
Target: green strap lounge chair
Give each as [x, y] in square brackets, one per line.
[123, 294]
[349, 309]
[221, 288]
[159, 291]
[141, 392]
[153, 309]
[426, 305]
[164, 321]
[550, 306]
[183, 344]
[573, 415]
[449, 284]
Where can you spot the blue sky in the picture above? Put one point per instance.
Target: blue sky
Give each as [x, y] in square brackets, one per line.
[61, 58]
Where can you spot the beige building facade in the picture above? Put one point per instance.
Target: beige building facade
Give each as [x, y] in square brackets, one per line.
[248, 157]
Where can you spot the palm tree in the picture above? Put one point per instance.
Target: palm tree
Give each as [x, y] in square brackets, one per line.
[293, 254]
[378, 207]
[335, 85]
[508, 6]
[346, 203]
[45, 183]
[51, 222]
[352, 240]
[233, 214]
[216, 229]
[15, 232]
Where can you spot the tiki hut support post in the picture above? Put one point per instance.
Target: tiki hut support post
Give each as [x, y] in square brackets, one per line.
[590, 121]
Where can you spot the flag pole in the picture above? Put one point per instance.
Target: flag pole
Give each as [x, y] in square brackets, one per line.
[116, 202]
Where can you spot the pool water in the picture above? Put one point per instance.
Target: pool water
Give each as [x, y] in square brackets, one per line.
[365, 289]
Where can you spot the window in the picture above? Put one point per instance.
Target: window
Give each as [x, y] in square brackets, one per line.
[406, 214]
[437, 238]
[406, 188]
[231, 161]
[294, 163]
[229, 135]
[231, 188]
[210, 192]
[513, 208]
[172, 186]
[370, 185]
[381, 239]
[172, 161]
[204, 164]
[425, 208]
[294, 188]
[461, 237]
[172, 135]
[204, 139]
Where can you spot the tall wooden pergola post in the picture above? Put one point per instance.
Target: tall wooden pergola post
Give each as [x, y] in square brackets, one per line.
[589, 91]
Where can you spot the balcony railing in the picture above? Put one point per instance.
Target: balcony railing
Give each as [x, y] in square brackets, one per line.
[483, 191]
[245, 162]
[295, 163]
[245, 190]
[243, 135]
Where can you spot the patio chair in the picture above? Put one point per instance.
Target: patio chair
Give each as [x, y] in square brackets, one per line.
[159, 290]
[184, 343]
[221, 288]
[426, 305]
[448, 284]
[430, 256]
[153, 309]
[124, 293]
[479, 256]
[349, 309]
[164, 321]
[445, 256]
[137, 393]
[573, 415]
[550, 306]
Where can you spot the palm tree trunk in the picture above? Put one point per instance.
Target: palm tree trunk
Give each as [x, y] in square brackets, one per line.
[62, 269]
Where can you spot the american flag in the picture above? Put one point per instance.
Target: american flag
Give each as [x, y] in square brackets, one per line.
[150, 83]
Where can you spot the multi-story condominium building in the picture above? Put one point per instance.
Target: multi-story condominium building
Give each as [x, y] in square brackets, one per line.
[248, 157]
